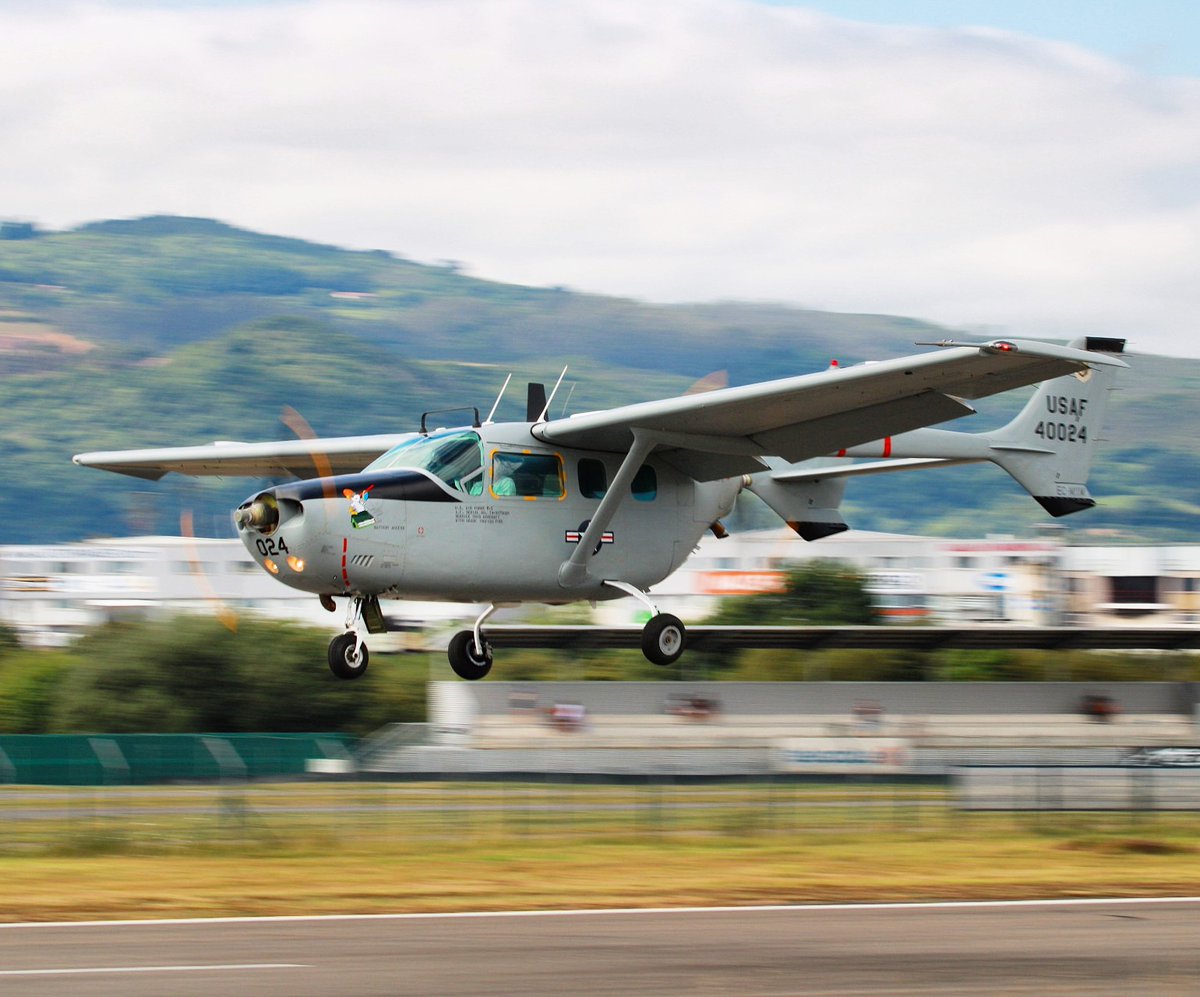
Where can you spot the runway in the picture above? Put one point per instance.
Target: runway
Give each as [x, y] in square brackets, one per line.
[1093, 948]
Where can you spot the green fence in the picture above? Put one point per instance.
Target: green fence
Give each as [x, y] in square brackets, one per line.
[137, 759]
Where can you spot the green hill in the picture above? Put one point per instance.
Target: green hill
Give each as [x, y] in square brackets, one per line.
[180, 330]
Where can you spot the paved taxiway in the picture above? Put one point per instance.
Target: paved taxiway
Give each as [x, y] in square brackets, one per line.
[1093, 948]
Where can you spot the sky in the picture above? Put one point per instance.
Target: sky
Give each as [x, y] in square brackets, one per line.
[1016, 168]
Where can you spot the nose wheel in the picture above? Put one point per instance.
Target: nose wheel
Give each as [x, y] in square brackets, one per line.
[347, 656]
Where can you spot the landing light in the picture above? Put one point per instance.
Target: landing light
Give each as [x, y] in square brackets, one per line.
[295, 563]
[271, 566]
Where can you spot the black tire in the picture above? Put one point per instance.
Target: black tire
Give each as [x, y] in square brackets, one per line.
[344, 662]
[464, 659]
[663, 639]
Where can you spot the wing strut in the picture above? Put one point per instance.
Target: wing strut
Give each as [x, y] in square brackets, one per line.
[574, 570]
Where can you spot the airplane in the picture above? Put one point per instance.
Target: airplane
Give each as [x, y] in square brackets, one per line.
[601, 505]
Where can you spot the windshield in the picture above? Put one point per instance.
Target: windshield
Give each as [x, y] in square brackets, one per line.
[455, 457]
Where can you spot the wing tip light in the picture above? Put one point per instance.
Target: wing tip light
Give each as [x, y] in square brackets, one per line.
[1091, 351]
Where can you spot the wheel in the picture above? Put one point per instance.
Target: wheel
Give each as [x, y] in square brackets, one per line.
[465, 660]
[347, 657]
[663, 639]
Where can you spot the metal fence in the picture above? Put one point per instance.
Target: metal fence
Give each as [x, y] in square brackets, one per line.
[353, 814]
[247, 815]
[1126, 788]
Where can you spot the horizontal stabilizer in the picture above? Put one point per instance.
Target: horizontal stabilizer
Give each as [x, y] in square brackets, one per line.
[810, 473]
[1048, 448]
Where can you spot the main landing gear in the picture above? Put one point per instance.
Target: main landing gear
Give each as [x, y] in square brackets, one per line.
[470, 655]
[664, 636]
[663, 639]
[469, 660]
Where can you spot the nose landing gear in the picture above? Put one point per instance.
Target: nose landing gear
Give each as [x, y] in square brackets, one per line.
[348, 652]
[347, 655]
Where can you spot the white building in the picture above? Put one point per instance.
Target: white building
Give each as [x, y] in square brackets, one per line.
[51, 593]
[1111, 586]
[1035, 582]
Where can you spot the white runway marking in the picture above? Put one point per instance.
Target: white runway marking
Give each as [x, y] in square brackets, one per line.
[600, 911]
[84, 970]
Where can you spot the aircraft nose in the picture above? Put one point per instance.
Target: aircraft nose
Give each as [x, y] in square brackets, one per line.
[260, 514]
[266, 512]
[272, 527]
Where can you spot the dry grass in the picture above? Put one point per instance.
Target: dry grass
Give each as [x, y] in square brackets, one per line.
[515, 848]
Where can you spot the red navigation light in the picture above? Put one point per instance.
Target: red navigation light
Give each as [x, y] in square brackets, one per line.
[1004, 346]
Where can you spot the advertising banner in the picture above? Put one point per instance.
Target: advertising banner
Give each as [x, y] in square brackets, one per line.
[848, 755]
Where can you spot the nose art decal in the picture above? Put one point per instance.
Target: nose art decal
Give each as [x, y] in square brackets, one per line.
[360, 518]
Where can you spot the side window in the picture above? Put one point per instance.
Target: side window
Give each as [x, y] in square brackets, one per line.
[593, 478]
[527, 475]
[645, 484]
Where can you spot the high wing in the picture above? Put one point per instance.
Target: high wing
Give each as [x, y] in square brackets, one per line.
[298, 458]
[725, 432]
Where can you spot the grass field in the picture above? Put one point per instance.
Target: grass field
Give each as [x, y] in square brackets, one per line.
[362, 848]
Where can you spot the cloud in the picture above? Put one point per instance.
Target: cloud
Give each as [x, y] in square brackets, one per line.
[669, 149]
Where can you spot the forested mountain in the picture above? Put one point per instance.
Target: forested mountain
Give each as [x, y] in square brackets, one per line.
[178, 330]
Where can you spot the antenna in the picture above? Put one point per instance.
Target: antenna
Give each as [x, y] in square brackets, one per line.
[542, 417]
[567, 401]
[496, 404]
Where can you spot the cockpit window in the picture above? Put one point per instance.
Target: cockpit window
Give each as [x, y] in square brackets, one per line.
[455, 457]
[528, 475]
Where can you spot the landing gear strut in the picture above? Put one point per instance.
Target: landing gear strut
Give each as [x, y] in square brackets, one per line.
[664, 636]
[470, 655]
[347, 652]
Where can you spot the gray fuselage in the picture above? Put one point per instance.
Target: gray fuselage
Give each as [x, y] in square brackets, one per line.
[478, 515]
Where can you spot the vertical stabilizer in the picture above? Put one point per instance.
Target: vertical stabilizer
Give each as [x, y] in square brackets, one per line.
[1048, 448]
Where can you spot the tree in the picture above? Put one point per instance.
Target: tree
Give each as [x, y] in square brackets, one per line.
[29, 688]
[191, 674]
[818, 593]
